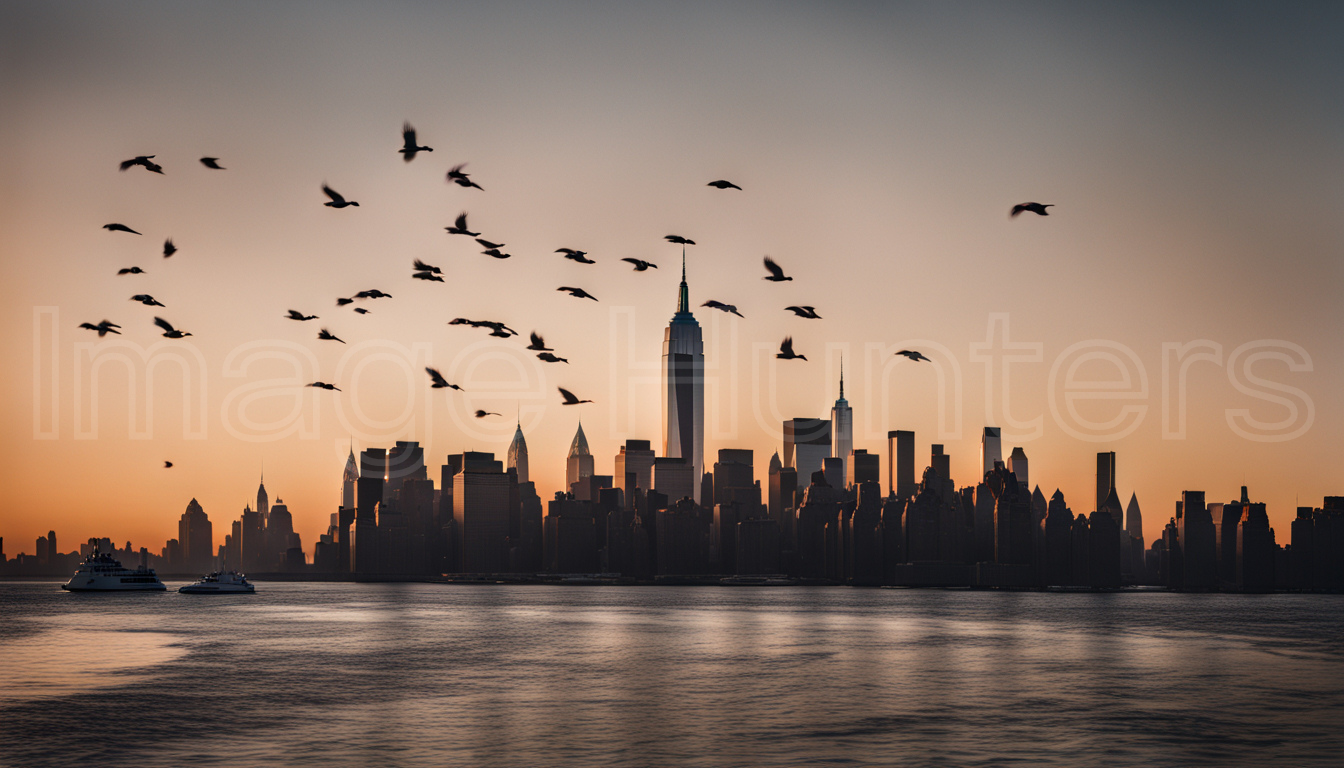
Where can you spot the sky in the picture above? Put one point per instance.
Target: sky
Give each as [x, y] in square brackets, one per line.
[1179, 306]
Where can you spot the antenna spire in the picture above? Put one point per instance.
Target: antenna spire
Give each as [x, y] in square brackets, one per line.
[842, 377]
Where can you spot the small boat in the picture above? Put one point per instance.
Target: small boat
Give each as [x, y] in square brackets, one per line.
[220, 583]
[103, 573]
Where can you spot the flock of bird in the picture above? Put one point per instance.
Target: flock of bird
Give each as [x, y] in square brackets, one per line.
[430, 273]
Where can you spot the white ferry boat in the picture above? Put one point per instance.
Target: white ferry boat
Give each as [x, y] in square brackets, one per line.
[104, 573]
[220, 583]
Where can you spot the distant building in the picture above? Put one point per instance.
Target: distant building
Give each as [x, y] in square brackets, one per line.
[517, 456]
[806, 443]
[673, 477]
[991, 451]
[634, 469]
[901, 463]
[1017, 464]
[863, 467]
[1105, 479]
[842, 427]
[196, 535]
[578, 465]
[481, 501]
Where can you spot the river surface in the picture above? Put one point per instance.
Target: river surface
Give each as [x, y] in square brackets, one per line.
[521, 675]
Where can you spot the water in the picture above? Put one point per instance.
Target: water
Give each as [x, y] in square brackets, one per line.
[422, 674]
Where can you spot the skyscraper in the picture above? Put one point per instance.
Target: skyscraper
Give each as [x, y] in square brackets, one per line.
[806, 443]
[842, 427]
[634, 469]
[517, 458]
[990, 450]
[196, 536]
[348, 479]
[263, 502]
[1017, 464]
[901, 463]
[1105, 478]
[578, 466]
[684, 384]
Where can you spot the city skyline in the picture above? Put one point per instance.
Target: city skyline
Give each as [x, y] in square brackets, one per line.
[870, 177]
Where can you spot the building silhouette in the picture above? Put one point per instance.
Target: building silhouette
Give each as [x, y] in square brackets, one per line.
[517, 455]
[578, 465]
[683, 385]
[806, 443]
[901, 463]
[842, 427]
[991, 451]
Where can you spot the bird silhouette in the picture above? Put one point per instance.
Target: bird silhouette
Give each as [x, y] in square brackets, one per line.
[573, 255]
[361, 310]
[372, 293]
[496, 329]
[294, 314]
[103, 328]
[482, 414]
[496, 253]
[640, 264]
[169, 332]
[438, 382]
[722, 307]
[460, 226]
[547, 357]
[577, 293]
[722, 184]
[132, 271]
[776, 272]
[324, 335]
[456, 176]
[569, 397]
[143, 160]
[538, 344]
[119, 228]
[427, 276]
[343, 302]
[409, 147]
[168, 248]
[913, 355]
[337, 201]
[324, 385]
[1035, 208]
[489, 245]
[805, 312]
[146, 299]
[212, 163]
[786, 350]
[678, 239]
[167, 465]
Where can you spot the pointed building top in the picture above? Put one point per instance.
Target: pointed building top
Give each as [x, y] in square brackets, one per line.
[683, 294]
[579, 447]
[842, 377]
[775, 464]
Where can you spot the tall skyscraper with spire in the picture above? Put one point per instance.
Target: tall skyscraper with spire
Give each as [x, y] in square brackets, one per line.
[842, 427]
[517, 458]
[684, 384]
[579, 464]
[348, 480]
[263, 501]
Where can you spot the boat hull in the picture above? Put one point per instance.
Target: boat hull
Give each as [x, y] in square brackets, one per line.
[160, 587]
[196, 589]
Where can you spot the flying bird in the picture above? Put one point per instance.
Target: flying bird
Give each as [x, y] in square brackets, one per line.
[323, 335]
[460, 226]
[547, 357]
[496, 253]
[169, 332]
[456, 176]
[294, 314]
[212, 163]
[337, 201]
[361, 310]
[103, 328]
[573, 255]
[913, 355]
[786, 350]
[722, 184]
[324, 385]
[678, 239]
[409, 147]
[343, 302]
[132, 271]
[538, 344]
[439, 382]
[489, 245]
[712, 304]
[569, 397]
[482, 414]
[421, 266]
[776, 272]
[146, 299]
[577, 293]
[168, 248]
[806, 312]
[372, 293]
[119, 228]
[1035, 208]
[143, 160]
[167, 465]
[640, 264]
[427, 276]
